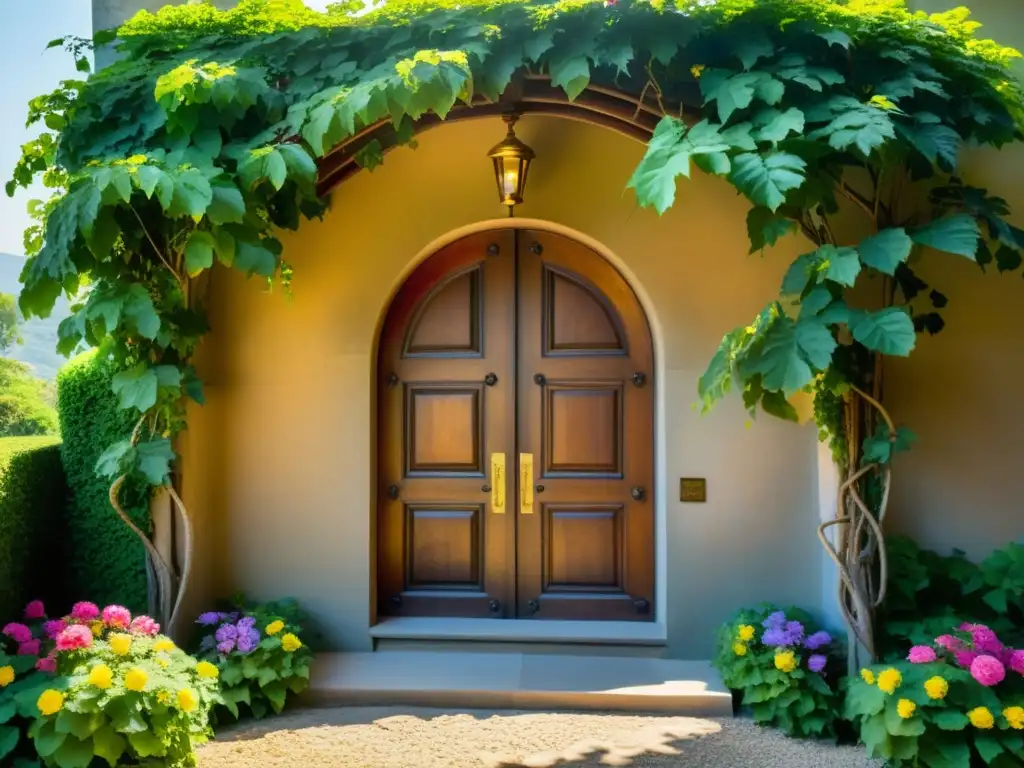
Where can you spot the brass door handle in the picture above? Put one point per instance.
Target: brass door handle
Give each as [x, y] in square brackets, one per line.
[497, 488]
[526, 483]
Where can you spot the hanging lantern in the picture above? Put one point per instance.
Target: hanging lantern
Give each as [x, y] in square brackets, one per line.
[511, 162]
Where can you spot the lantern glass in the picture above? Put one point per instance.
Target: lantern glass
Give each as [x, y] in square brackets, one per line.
[511, 159]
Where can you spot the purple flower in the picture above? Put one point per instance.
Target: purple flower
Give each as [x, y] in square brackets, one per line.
[921, 654]
[988, 670]
[795, 630]
[817, 662]
[818, 640]
[208, 619]
[774, 621]
[248, 640]
[227, 646]
[774, 636]
[246, 622]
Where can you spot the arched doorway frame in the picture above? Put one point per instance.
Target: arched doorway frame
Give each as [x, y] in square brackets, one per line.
[648, 633]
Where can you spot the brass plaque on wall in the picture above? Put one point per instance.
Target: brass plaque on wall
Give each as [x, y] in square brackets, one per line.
[693, 489]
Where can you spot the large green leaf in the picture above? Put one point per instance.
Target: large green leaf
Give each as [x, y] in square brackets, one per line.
[766, 179]
[81, 725]
[199, 252]
[945, 750]
[734, 91]
[108, 745]
[226, 205]
[815, 341]
[154, 460]
[570, 73]
[938, 143]
[857, 125]
[841, 265]
[136, 387]
[957, 234]
[886, 250]
[9, 737]
[780, 361]
[950, 719]
[774, 126]
[764, 228]
[255, 257]
[147, 744]
[48, 739]
[889, 331]
[74, 753]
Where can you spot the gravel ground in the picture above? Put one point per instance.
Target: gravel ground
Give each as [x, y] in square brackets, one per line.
[391, 737]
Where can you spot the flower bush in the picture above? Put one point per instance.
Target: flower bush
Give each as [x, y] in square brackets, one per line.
[786, 668]
[953, 703]
[259, 653]
[103, 685]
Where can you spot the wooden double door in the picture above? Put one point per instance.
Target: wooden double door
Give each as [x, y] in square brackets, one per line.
[516, 405]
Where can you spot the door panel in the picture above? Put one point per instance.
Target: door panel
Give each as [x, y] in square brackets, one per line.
[446, 398]
[587, 552]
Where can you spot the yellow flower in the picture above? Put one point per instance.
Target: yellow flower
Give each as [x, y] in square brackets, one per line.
[163, 697]
[696, 69]
[936, 687]
[980, 717]
[96, 627]
[207, 670]
[889, 680]
[746, 633]
[50, 702]
[120, 643]
[187, 700]
[905, 708]
[1015, 717]
[101, 676]
[135, 679]
[739, 649]
[290, 642]
[868, 676]
[6, 676]
[785, 661]
[163, 644]
[274, 627]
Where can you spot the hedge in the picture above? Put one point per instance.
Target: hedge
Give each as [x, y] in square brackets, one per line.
[33, 495]
[107, 562]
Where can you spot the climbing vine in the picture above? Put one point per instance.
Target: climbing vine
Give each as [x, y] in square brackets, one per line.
[200, 144]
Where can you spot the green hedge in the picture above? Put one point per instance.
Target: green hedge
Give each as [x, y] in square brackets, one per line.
[32, 500]
[107, 561]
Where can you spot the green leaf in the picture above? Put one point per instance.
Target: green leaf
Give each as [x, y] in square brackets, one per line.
[192, 194]
[267, 675]
[226, 204]
[988, 746]
[74, 753]
[138, 308]
[275, 169]
[875, 736]
[108, 745]
[766, 179]
[254, 257]
[898, 726]
[299, 163]
[886, 250]
[8, 709]
[147, 177]
[224, 245]
[155, 457]
[571, 74]
[945, 750]
[879, 448]
[77, 724]
[780, 362]
[199, 252]
[732, 92]
[1007, 259]
[800, 273]
[147, 744]
[950, 719]
[842, 265]
[764, 228]
[9, 736]
[775, 126]
[857, 125]
[109, 462]
[836, 37]
[889, 331]
[957, 234]
[776, 404]
[815, 342]
[938, 143]
[136, 387]
[48, 739]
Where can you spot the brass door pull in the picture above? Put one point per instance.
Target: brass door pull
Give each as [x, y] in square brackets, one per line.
[526, 483]
[497, 486]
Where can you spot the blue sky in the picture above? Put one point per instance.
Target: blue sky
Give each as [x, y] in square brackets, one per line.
[30, 70]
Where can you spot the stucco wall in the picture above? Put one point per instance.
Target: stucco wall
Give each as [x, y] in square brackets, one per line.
[286, 482]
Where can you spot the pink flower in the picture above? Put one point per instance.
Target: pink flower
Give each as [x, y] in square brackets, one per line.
[988, 670]
[117, 616]
[144, 625]
[35, 610]
[19, 633]
[966, 658]
[968, 627]
[54, 627]
[85, 611]
[1017, 662]
[949, 642]
[73, 638]
[31, 648]
[921, 654]
[47, 664]
[985, 640]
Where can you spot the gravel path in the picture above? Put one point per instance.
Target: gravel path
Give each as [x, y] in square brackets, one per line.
[391, 737]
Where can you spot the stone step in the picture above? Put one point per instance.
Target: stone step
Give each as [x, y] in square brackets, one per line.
[518, 681]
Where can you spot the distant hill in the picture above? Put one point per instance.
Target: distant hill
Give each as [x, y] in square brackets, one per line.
[40, 347]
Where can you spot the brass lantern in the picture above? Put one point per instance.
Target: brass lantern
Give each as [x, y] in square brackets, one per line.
[511, 162]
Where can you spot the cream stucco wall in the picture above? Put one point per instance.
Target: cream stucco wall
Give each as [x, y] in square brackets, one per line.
[282, 466]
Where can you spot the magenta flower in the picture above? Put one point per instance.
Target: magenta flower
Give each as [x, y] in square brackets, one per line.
[117, 616]
[19, 633]
[144, 625]
[817, 662]
[35, 610]
[988, 670]
[54, 627]
[921, 654]
[1017, 662]
[47, 664]
[31, 648]
[985, 640]
[73, 638]
[85, 611]
[950, 643]
[965, 658]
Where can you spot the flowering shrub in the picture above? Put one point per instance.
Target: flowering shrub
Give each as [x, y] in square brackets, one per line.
[259, 653]
[785, 667]
[108, 686]
[954, 703]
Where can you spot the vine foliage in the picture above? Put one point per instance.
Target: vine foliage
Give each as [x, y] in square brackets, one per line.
[201, 143]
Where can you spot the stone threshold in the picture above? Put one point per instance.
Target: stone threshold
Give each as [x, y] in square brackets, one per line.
[521, 631]
[517, 681]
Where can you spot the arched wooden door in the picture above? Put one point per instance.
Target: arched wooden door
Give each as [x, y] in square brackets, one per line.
[516, 424]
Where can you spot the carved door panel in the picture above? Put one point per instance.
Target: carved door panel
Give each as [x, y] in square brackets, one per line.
[585, 531]
[446, 396]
